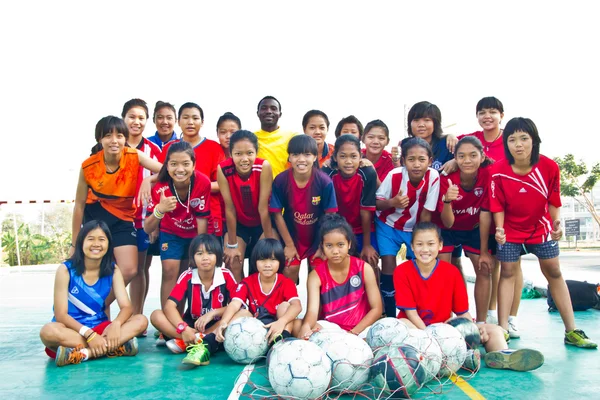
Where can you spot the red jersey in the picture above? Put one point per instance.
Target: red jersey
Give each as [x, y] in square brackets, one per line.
[424, 195]
[201, 300]
[250, 292]
[208, 156]
[493, 150]
[383, 166]
[303, 207]
[182, 220]
[525, 200]
[153, 152]
[244, 191]
[469, 203]
[346, 303]
[347, 194]
[436, 297]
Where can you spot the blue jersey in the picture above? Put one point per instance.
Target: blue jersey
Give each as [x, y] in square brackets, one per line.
[156, 139]
[87, 303]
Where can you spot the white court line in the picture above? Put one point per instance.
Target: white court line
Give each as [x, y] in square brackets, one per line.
[240, 383]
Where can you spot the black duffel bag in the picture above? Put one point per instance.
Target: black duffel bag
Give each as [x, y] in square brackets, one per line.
[584, 296]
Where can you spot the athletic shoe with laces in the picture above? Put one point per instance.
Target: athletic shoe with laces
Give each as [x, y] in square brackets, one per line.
[69, 355]
[472, 361]
[198, 354]
[160, 341]
[578, 338]
[491, 319]
[516, 360]
[178, 346]
[513, 330]
[506, 335]
[129, 348]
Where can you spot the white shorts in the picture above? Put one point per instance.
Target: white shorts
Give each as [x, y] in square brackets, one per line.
[326, 326]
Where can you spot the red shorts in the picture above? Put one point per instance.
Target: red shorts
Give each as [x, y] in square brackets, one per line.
[99, 329]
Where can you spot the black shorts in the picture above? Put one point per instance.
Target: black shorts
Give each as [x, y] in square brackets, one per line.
[123, 232]
[250, 235]
[154, 248]
[469, 240]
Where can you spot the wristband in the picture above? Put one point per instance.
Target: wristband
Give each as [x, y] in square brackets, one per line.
[232, 246]
[444, 200]
[157, 214]
[83, 330]
[92, 336]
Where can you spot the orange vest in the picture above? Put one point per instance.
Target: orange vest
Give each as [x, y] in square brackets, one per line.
[115, 191]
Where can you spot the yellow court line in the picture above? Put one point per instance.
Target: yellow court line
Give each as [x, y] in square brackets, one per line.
[466, 388]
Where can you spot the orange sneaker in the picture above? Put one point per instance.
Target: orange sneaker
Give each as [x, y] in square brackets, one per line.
[69, 355]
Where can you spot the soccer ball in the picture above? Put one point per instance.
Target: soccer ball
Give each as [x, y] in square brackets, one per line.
[429, 348]
[350, 357]
[469, 331]
[454, 348]
[386, 331]
[300, 369]
[396, 372]
[245, 340]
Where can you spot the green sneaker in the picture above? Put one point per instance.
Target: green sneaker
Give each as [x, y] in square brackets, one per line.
[68, 355]
[506, 335]
[517, 360]
[198, 354]
[578, 338]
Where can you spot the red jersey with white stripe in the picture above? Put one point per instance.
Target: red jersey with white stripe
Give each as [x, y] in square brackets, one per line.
[182, 220]
[208, 156]
[201, 300]
[434, 298]
[346, 303]
[493, 150]
[244, 191]
[468, 204]
[354, 194]
[153, 152]
[525, 200]
[250, 292]
[383, 166]
[424, 195]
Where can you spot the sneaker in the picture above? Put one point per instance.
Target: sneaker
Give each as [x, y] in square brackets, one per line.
[472, 361]
[176, 345]
[516, 360]
[160, 341]
[157, 334]
[198, 354]
[513, 331]
[129, 348]
[578, 338]
[506, 335]
[68, 355]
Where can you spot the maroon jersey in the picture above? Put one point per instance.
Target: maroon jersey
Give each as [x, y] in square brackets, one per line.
[201, 300]
[152, 151]
[525, 199]
[182, 220]
[250, 292]
[354, 194]
[346, 303]
[468, 204]
[436, 297]
[244, 191]
[384, 165]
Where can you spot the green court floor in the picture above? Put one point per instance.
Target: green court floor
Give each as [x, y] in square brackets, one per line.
[155, 373]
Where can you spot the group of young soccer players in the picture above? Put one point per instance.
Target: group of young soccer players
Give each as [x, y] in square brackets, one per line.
[278, 198]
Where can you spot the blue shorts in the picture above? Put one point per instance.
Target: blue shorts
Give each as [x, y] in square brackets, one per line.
[173, 247]
[510, 252]
[143, 240]
[359, 241]
[469, 240]
[389, 240]
[457, 252]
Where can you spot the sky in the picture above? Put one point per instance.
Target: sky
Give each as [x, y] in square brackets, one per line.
[66, 64]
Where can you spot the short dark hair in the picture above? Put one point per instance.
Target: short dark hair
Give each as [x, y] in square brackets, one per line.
[264, 249]
[376, 124]
[520, 124]
[346, 138]
[426, 226]
[229, 116]
[477, 143]
[409, 143]
[243, 135]
[268, 98]
[489, 103]
[175, 147]
[134, 103]
[191, 105]
[107, 264]
[211, 244]
[109, 124]
[335, 222]
[425, 109]
[350, 119]
[314, 113]
[302, 144]
[163, 104]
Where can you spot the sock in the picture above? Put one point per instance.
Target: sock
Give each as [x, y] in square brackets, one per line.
[211, 343]
[388, 292]
[86, 354]
[492, 313]
[512, 318]
[286, 334]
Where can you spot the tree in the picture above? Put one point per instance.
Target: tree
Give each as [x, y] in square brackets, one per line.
[577, 182]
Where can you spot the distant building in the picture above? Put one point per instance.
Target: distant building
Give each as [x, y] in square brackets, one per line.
[571, 209]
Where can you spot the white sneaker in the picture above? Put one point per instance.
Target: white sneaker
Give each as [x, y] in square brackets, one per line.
[160, 341]
[513, 330]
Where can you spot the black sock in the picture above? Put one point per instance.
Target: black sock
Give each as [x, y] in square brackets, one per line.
[388, 292]
[211, 343]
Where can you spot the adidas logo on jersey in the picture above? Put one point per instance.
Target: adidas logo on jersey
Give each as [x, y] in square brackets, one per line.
[74, 290]
[522, 190]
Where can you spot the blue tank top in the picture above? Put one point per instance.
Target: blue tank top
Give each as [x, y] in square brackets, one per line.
[86, 303]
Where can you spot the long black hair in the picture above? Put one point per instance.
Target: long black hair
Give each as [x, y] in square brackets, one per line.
[177, 147]
[335, 222]
[107, 265]
[477, 144]
[339, 142]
